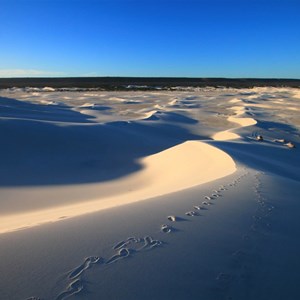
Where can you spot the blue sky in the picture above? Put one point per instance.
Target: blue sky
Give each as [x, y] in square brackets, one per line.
[216, 38]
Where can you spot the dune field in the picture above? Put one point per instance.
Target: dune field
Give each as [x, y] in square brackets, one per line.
[184, 194]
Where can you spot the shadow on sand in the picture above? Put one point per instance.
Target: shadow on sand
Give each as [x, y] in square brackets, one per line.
[53, 144]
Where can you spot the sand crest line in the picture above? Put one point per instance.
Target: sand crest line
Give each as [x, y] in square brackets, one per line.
[237, 119]
[183, 166]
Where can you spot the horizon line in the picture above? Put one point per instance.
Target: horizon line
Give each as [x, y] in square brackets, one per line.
[152, 77]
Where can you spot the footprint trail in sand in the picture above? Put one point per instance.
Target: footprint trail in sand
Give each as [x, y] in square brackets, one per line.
[134, 245]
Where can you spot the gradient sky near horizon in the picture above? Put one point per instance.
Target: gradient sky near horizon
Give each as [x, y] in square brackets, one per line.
[188, 38]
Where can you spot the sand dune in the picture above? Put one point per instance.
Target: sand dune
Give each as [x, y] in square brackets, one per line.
[172, 170]
[225, 135]
[237, 118]
[134, 200]
[242, 121]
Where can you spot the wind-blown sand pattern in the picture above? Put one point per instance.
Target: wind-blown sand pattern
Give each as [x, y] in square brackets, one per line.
[106, 192]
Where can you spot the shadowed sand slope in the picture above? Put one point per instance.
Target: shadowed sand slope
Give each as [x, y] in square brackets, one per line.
[50, 145]
[180, 167]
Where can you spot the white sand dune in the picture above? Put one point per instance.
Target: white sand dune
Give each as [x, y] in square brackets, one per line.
[150, 115]
[123, 195]
[172, 170]
[242, 121]
[235, 100]
[237, 118]
[225, 136]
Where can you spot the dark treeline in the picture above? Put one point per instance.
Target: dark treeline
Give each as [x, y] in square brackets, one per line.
[131, 83]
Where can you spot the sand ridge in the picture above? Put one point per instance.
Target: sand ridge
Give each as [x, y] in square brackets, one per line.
[237, 118]
[180, 167]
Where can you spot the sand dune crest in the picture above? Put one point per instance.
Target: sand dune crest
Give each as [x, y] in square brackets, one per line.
[177, 168]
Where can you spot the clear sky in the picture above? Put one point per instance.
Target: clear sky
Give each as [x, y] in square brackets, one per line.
[200, 38]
